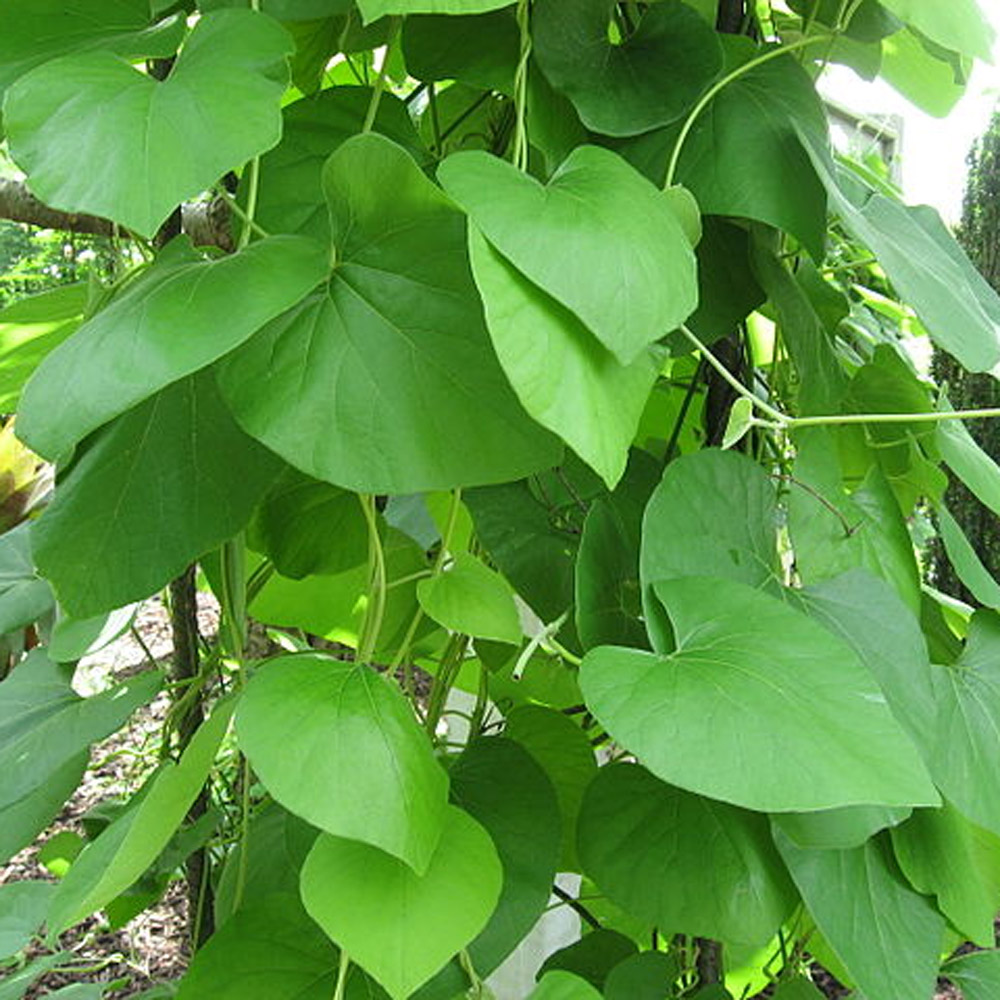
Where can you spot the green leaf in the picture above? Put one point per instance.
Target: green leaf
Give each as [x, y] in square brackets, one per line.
[978, 974]
[131, 349]
[126, 848]
[652, 78]
[967, 734]
[44, 724]
[35, 31]
[290, 190]
[79, 991]
[14, 985]
[921, 72]
[23, 906]
[480, 50]
[174, 476]
[308, 527]
[564, 752]
[784, 680]
[592, 957]
[838, 829]
[740, 422]
[969, 462]
[797, 989]
[21, 821]
[943, 854]
[885, 933]
[24, 598]
[29, 329]
[559, 985]
[74, 638]
[598, 238]
[743, 156]
[95, 108]
[401, 303]
[961, 26]
[373, 9]
[964, 558]
[338, 745]
[563, 377]
[471, 598]
[682, 861]
[649, 975]
[399, 926]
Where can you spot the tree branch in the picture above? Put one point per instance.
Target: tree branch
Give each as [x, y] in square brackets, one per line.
[206, 223]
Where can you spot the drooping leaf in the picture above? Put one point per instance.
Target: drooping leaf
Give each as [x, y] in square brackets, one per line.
[290, 191]
[961, 26]
[175, 476]
[469, 597]
[970, 569]
[838, 829]
[595, 404]
[29, 329]
[927, 76]
[400, 303]
[399, 926]
[74, 638]
[884, 931]
[743, 156]
[967, 734]
[739, 654]
[652, 78]
[131, 129]
[44, 724]
[133, 349]
[944, 855]
[23, 906]
[564, 752]
[598, 238]
[24, 598]
[311, 723]
[969, 462]
[682, 861]
[126, 848]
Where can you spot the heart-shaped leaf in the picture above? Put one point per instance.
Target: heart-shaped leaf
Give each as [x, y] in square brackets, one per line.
[399, 926]
[420, 400]
[739, 654]
[132, 349]
[651, 78]
[337, 744]
[373, 9]
[599, 238]
[134, 132]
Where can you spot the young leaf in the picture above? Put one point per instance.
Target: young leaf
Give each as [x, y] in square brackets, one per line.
[679, 860]
[598, 238]
[399, 926]
[95, 108]
[338, 745]
[400, 303]
[126, 848]
[739, 423]
[784, 682]
[132, 349]
[469, 597]
[563, 377]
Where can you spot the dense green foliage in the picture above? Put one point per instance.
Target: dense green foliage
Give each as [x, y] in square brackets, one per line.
[505, 277]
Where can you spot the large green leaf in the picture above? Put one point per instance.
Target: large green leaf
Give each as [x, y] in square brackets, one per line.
[977, 974]
[967, 734]
[24, 598]
[970, 569]
[159, 486]
[34, 31]
[469, 597]
[842, 828]
[560, 985]
[766, 688]
[373, 9]
[592, 957]
[126, 848]
[29, 329]
[420, 400]
[44, 724]
[886, 933]
[927, 76]
[650, 975]
[23, 906]
[743, 156]
[290, 190]
[132, 349]
[599, 238]
[135, 132]
[338, 744]
[969, 462]
[682, 861]
[944, 855]
[271, 950]
[595, 402]
[960, 25]
[399, 926]
[652, 78]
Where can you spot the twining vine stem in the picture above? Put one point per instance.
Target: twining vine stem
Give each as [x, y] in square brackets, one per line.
[383, 74]
[521, 86]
